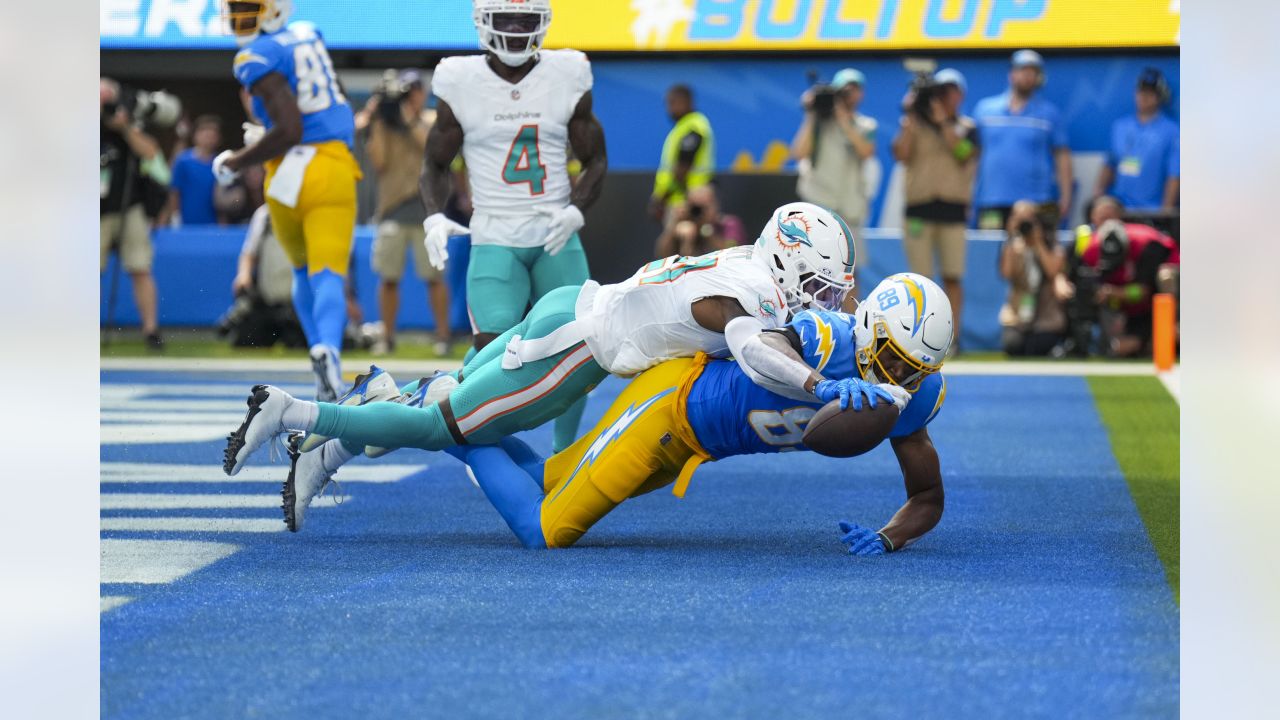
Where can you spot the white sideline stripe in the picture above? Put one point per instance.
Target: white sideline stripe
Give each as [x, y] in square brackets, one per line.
[174, 404]
[146, 417]
[113, 472]
[1046, 367]
[155, 562]
[192, 524]
[168, 501]
[493, 408]
[195, 388]
[145, 433]
[1173, 383]
[111, 602]
[414, 368]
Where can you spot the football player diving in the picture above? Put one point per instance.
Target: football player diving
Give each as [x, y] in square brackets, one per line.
[682, 413]
[306, 145]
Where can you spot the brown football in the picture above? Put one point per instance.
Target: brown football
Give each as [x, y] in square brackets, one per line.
[849, 433]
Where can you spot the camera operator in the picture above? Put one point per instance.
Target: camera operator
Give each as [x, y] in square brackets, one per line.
[396, 145]
[1124, 264]
[1033, 320]
[132, 170]
[697, 226]
[262, 312]
[831, 147]
[938, 150]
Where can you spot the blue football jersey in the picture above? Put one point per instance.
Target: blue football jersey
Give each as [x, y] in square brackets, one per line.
[731, 415]
[298, 53]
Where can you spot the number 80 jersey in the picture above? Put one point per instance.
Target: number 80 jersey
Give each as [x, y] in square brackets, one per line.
[515, 136]
[298, 53]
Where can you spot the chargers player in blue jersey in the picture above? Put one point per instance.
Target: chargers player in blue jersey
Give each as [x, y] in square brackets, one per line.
[311, 171]
[676, 416]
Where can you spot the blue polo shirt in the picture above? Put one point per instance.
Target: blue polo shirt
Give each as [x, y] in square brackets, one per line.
[1144, 156]
[1016, 162]
[193, 179]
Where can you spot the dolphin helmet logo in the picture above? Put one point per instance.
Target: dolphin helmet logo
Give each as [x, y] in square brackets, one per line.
[793, 230]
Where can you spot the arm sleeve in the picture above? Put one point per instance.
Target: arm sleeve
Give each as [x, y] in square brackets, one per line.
[582, 77]
[255, 61]
[766, 366]
[1175, 151]
[923, 408]
[689, 145]
[1060, 139]
[444, 83]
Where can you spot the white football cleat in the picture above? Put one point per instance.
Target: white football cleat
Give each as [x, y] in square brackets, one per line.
[431, 389]
[375, 385]
[263, 421]
[308, 477]
[328, 371]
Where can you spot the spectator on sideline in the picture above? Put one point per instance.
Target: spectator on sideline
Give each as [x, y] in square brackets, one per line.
[263, 290]
[1033, 320]
[127, 154]
[698, 227]
[396, 145]
[939, 154]
[830, 150]
[191, 188]
[688, 154]
[1024, 149]
[1143, 164]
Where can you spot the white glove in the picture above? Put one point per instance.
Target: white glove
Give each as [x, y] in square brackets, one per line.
[439, 229]
[253, 132]
[564, 223]
[900, 397]
[223, 174]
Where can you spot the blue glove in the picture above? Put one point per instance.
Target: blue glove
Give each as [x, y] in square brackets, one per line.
[861, 541]
[851, 390]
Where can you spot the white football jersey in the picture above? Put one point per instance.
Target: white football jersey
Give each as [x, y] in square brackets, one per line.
[648, 318]
[515, 140]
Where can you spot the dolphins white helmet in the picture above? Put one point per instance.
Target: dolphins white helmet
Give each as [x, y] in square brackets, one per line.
[249, 18]
[809, 252]
[903, 331]
[512, 30]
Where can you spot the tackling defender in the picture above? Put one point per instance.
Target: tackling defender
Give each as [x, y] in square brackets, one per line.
[513, 112]
[311, 171]
[573, 338]
[682, 413]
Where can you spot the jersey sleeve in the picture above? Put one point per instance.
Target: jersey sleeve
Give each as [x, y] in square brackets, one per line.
[580, 77]
[447, 78]
[923, 408]
[826, 341]
[261, 57]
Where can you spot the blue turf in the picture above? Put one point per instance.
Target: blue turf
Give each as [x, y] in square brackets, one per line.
[1038, 595]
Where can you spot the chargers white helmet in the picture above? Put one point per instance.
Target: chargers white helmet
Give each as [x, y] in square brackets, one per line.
[249, 18]
[903, 331]
[512, 30]
[809, 252]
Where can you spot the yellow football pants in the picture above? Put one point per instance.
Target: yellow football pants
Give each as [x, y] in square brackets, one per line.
[642, 443]
[317, 232]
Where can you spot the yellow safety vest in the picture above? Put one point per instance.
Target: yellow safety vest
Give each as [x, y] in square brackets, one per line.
[704, 162]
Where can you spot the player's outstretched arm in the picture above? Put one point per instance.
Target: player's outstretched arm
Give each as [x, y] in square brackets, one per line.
[921, 512]
[586, 136]
[286, 123]
[443, 143]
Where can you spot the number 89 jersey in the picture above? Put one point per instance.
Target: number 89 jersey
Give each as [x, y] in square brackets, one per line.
[515, 136]
[298, 53]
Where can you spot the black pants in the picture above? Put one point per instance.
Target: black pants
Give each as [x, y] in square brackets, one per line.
[1030, 343]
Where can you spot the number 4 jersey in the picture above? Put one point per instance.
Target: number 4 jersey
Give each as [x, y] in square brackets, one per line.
[298, 53]
[515, 140]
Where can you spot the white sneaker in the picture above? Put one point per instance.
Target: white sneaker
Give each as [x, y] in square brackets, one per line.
[431, 389]
[375, 385]
[328, 371]
[308, 477]
[263, 421]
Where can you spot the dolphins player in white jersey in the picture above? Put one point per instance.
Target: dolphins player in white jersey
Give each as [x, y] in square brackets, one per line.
[513, 112]
[719, 303]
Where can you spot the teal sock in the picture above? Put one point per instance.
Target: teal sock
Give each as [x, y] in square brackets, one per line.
[385, 424]
[566, 426]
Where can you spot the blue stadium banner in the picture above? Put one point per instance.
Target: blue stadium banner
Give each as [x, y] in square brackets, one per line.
[349, 24]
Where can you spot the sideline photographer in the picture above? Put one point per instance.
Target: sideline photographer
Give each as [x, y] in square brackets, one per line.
[697, 227]
[133, 184]
[938, 150]
[1118, 268]
[831, 148]
[1033, 320]
[396, 145]
[262, 313]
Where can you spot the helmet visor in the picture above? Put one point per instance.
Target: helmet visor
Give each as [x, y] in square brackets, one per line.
[243, 17]
[825, 293]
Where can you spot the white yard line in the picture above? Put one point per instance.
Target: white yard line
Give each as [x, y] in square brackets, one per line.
[1173, 383]
[192, 524]
[118, 472]
[411, 369]
[111, 602]
[172, 501]
[157, 561]
[1045, 367]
